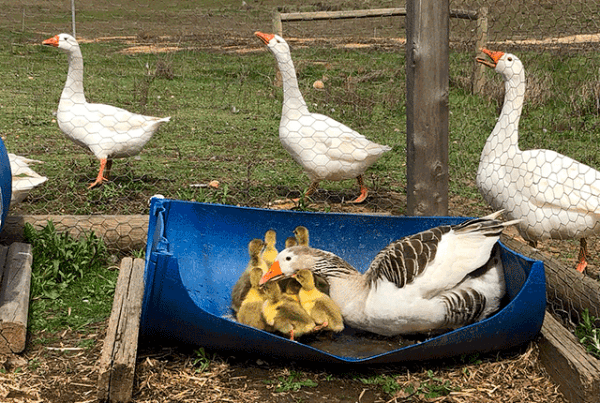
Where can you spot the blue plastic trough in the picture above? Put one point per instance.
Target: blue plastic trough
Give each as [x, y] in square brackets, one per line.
[197, 251]
[5, 183]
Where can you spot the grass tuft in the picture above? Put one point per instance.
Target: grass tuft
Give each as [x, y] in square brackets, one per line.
[588, 334]
[71, 283]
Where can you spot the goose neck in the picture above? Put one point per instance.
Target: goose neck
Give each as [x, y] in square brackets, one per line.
[507, 126]
[73, 91]
[292, 97]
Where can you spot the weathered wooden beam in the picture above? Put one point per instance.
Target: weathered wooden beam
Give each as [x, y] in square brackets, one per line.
[327, 15]
[14, 297]
[117, 363]
[566, 288]
[576, 372]
[367, 13]
[123, 232]
[427, 88]
[481, 38]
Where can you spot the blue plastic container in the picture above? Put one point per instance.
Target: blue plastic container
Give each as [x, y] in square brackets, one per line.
[5, 183]
[197, 251]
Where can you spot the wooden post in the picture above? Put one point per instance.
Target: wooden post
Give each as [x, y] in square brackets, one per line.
[427, 85]
[478, 80]
[277, 24]
[15, 272]
[119, 353]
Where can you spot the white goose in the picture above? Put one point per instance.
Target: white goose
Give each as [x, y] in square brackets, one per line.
[436, 280]
[326, 149]
[24, 179]
[553, 195]
[109, 132]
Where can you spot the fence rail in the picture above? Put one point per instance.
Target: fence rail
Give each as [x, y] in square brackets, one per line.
[480, 16]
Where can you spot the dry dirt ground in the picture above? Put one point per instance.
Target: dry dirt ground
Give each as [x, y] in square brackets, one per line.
[62, 372]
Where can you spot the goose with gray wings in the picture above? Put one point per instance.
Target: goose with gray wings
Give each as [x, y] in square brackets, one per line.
[436, 280]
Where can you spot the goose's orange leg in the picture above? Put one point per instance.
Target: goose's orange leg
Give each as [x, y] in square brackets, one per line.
[583, 254]
[100, 178]
[363, 190]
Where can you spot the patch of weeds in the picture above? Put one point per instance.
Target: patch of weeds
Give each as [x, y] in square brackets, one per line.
[202, 195]
[86, 343]
[293, 382]
[388, 383]
[202, 360]
[470, 359]
[139, 254]
[59, 259]
[71, 283]
[434, 388]
[33, 364]
[304, 203]
[588, 334]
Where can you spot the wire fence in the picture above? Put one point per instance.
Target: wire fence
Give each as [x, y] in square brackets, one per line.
[206, 69]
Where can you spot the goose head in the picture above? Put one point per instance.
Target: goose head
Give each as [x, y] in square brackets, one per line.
[507, 64]
[276, 44]
[62, 41]
[287, 263]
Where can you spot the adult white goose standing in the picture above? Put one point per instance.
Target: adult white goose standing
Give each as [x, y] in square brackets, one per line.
[553, 195]
[436, 280]
[326, 149]
[24, 179]
[109, 132]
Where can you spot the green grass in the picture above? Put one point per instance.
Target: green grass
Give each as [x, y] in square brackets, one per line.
[225, 114]
[433, 387]
[588, 333]
[293, 382]
[71, 283]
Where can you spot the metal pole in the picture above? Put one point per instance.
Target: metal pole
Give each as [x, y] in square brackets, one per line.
[427, 59]
[73, 17]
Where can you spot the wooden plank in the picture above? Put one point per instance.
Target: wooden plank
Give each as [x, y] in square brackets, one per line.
[123, 232]
[14, 298]
[326, 15]
[566, 288]
[576, 373]
[374, 12]
[117, 363]
[427, 88]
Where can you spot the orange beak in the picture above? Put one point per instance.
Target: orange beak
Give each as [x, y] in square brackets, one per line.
[273, 273]
[495, 56]
[51, 41]
[266, 38]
